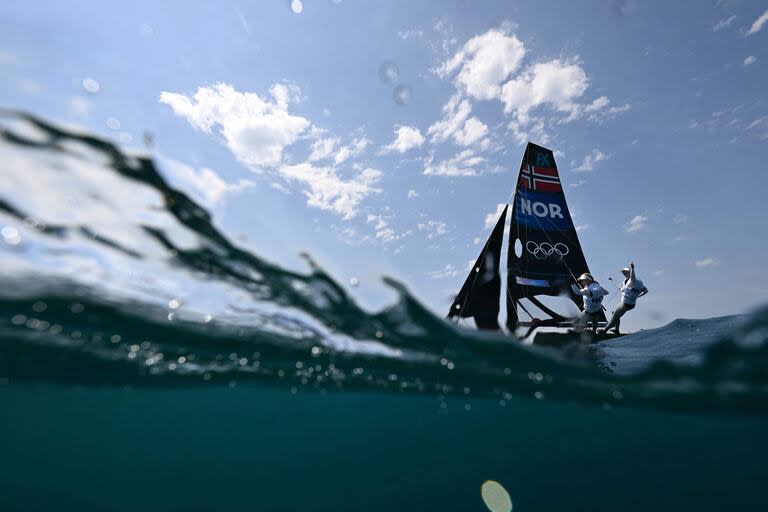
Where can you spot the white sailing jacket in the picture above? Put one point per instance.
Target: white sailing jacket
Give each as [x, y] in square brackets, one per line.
[592, 294]
[631, 289]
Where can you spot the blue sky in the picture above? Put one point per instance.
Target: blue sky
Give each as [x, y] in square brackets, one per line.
[380, 136]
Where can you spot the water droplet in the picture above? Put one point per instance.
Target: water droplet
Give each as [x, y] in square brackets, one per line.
[11, 235]
[77, 308]
[354, 282]
[18, 319]
[402, 95]
[316, 351]
[296, 6]
[538, 395]
[388, 72]
[126, 138]
[115, 338]
[146, 30]
[92, 86]
[182, 360]
[39, 307]
[113, 123]
[174, 303]
[495, 497]
[379, 334]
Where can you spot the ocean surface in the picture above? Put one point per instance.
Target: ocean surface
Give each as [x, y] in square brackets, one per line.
[148, 362]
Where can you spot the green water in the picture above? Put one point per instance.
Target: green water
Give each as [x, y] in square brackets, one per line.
[77, 448]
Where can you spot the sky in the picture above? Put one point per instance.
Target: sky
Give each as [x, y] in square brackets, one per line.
[381, 137]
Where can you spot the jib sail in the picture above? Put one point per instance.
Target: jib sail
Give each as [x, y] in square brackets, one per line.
[479, 297]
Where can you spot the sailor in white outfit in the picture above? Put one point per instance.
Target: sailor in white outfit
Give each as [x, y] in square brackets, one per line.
[592, 294]
[631, 289]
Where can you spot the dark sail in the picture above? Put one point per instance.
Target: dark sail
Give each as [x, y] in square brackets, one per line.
[481, 293]
[544, 254]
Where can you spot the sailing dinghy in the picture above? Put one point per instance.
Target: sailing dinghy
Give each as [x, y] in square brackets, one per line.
[544, 257]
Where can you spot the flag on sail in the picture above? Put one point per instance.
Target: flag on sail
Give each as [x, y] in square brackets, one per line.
[542, 179]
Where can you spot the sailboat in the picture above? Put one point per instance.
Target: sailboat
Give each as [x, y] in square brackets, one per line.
[544, 256]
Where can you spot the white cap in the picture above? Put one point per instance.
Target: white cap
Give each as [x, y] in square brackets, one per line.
[586, 276]
[625, 269]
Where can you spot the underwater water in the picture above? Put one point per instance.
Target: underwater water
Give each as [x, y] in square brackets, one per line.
[148, 362]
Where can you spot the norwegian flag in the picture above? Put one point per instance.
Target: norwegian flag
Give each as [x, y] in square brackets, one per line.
[542, 179]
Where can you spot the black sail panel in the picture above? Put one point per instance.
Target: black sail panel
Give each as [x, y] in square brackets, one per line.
[544, 255]
[480, 295]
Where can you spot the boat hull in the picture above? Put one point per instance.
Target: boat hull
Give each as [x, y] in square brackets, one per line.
[561, 339]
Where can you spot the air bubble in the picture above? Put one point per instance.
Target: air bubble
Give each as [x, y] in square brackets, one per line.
[92, 86]
[11, 235]
[388, 72]
[402, 95]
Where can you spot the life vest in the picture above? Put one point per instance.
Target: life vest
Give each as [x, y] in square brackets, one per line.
[593, 297]
[630, 290]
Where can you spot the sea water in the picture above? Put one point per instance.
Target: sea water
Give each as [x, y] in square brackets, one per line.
[121, 390]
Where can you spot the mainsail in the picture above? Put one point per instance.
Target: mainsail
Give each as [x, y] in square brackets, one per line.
[544, 253]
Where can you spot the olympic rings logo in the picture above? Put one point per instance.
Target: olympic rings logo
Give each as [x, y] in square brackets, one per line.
[545, 250]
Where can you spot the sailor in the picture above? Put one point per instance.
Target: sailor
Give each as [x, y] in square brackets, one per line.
[631, 289]
[592, 294]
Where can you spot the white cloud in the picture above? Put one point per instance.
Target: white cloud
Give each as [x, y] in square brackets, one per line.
[723, 23]
[258, 130]
[448, 271]
[493, 217]
[457, 124]
[706, 262]
[355, 148]
[473, 131]
[412, 193]
[462, 164]
[757, 25]
[588, 164]
[750, 60]
[322, 149]
[484, 63]
[636, 224]
[410, 34]
[433, 229]
[255, 129]
[326, 190]
[555, 83]
[406, 137]
[383, 231]
[204, 184]
[534, 131]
